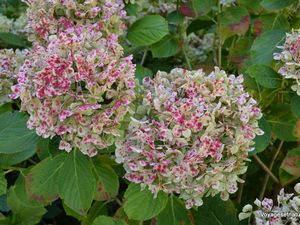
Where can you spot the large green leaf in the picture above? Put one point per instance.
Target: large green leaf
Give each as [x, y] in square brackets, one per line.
[148, 30]
[141, 204]
[3, 184]
[25, 211]
[41, 181]
[276, 4]
[295, 105]
[76, 182]
[174, 214]
[14, 135]
[108, 181]
[284, 129]
[15, 158]
[105, 220]
[165, 48]
[265, 45]
[262, 141]
[265, 76]
[290, 167]
[234, 20]
[216, 212]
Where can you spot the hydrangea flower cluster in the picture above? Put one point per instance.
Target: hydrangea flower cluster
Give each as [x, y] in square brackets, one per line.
[290, 56]
[10, 62]
[16, 26]
[287, 210]
[195, 137]
[74, 82]
[46, 17]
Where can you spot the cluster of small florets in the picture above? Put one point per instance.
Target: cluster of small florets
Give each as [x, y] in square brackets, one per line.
[74, 82]
[16, 26]
[290, 56]
[195, 137]
[198, 48]
[46, 17]
[10, 62]
[154, 6]
[287, 210]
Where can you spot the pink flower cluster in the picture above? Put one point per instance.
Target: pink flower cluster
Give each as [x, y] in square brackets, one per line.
[287, 211]
[191, 134]
[290, 56]
[10, 62]
[74, 82]
[46, 17]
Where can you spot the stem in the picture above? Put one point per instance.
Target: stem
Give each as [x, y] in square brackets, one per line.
[219, 36]
[11, 168]
[264, 187]
[186, 58]
[266, 169]
[173, 212]
[144, 56]
[240, 194]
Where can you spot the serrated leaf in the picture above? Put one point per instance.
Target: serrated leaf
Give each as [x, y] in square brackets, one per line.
[15, 158]
[42, 180]
[14, 135]
[105, 220]
[141, 204]
[276, 4]
[76, 182]
[25, 211]
[165, 48]
[214, 211]
[265, 45]
[265, 76]
[108, 181]
[148, 30]
[174, 214]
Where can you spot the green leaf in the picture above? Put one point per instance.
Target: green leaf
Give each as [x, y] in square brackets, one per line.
[272, 21]
[234, 20]
[239, 53]
[148, 30]
[105, 220]
[174, 214]
[141, 204]
[265, 76]
[76, 182]
[11, 40]
[175, 18]
[165, 48]
[142, 72]
[202, 7]
[291, 166]
[295, 105]
[262, 141]
[14, 135]
[108, 181]
[3, 184]
[25, 211]
[5, 108]
[253, 5]
[284, 129]
[15, 158]
[214, 211]
[265, 45]
[276, 4]
[41, 181]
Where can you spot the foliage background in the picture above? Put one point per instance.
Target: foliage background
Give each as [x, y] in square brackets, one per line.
[41, 185]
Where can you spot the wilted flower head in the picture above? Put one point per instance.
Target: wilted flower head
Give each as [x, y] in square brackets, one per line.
[75, 83]
[195, 137]
[47, 17]
[290, 56]
[286, 211]
[10, 62]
